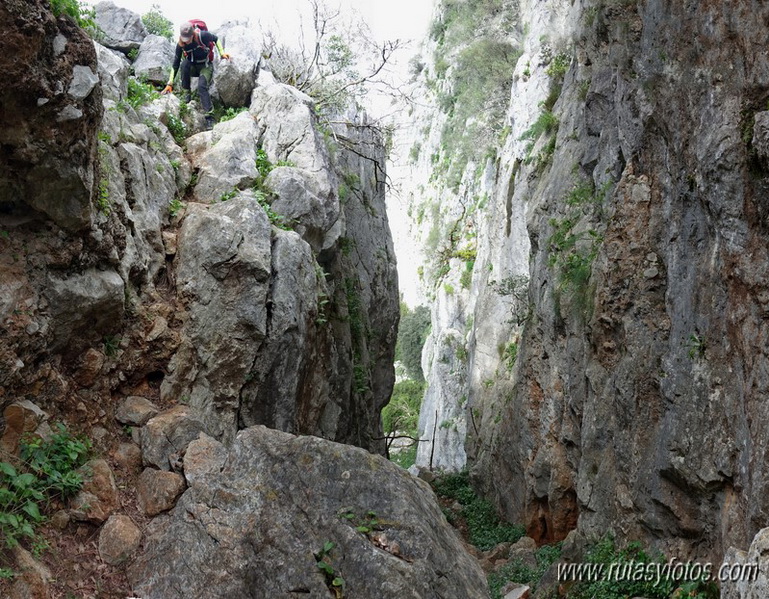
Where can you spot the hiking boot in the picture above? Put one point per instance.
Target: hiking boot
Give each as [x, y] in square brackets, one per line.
[209, 122]
[187, 97]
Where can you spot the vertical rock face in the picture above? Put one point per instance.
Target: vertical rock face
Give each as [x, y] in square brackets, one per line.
[51, 110]
[293, 329]
[634, 396]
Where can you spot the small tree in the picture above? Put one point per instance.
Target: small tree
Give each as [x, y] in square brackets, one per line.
[412, 333]
[157, 24]
[335, 63]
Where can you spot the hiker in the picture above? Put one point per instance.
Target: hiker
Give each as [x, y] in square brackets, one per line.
[196, 46]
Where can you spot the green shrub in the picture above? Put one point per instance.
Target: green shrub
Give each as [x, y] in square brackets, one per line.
[547, 122]
[510, 354]
[47, 469]
[606, 552]
[227, 114]
[402, 412]
[412, 333]
[157, 24]
[177, 128]
[82, 14]
[517, 571]
[140, 93]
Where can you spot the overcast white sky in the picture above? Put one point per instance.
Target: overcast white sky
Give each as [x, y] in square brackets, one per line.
[401, 19]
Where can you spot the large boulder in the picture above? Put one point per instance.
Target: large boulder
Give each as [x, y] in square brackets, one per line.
[289, 134]
[236, 78]
[745, 574]
[153, 63]
[113, 72]
[84, 307]
[263, 518]
[121, 28]
[225, 159]
[224, 266]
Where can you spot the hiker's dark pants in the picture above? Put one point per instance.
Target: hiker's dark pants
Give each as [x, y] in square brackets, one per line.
[204, 71]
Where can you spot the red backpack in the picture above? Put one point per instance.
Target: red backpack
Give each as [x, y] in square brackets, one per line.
[200, 25]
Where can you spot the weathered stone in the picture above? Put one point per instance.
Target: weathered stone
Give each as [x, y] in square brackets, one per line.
[159, 328]
[227, 161]
[119, 538]
[300, 199]
[278, 495]
[128, 456]
[524, 552]
[19, 418]
[157, 491]
[500, 551]
[98, 497]
[746, 574]
[134, 410]
[153, 63]
[224, 260]
[49, 135]
[85, 307]
[204, 457]
[287, 131]
[91, 364]
[513, 590]
[236, 78]
[169, 241]
[60, 519]
[122, 29]
[165, 437]
[761, 135]
[35, 578]
[113, 73]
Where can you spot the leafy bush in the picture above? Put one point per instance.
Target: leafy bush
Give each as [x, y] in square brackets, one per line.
[177, 128]
[402, 413]
[227, 114]
[517, 571]
[82, 14]
[606, 552]
[47, 469]
[156, 23]
[485, 529]
[140, 93]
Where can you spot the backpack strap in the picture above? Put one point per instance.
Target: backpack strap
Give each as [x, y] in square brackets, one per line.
[200, 45]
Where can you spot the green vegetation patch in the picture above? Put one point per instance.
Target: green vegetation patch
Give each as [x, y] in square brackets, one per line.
[46, 470]
[517, 571]
[605, 553]
[485, 529]
[412, 333]
[156, 23]
[80, 12]
[401, 417]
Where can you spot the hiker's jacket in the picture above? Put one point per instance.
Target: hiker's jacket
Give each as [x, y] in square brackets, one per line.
[197, 50]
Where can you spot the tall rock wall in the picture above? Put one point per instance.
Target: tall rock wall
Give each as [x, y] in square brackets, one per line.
[625, 388]
[248, 272]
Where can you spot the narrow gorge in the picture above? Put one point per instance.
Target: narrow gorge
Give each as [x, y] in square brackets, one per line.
[198, 326]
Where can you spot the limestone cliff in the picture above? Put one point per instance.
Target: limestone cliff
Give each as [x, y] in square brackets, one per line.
[247, 271]
[609, 344]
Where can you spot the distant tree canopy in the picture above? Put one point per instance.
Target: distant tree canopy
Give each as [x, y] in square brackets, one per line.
[413, 330]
